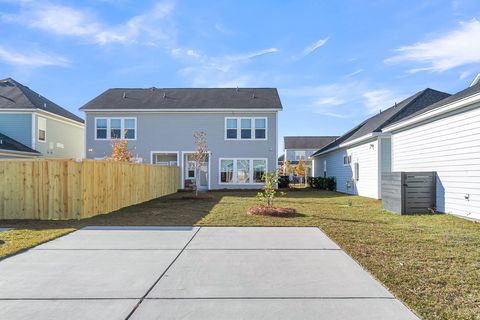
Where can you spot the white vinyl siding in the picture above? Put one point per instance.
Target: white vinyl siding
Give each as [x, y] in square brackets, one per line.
[366, 155]
[451, 147]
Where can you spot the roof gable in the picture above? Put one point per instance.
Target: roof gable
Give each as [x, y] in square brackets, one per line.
[306, 142]
[14, 95]
[397, 112]
[185, 98]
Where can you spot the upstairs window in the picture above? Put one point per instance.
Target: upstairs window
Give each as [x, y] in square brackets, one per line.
[42, 129]
[231, 128]
[300, 155]
[115, 128]
[246, 128]
[129, 128]
[260, 128]
[101, 128]
[347, 160]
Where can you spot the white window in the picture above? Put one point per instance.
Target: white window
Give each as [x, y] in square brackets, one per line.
[42, 129]
[347, 160]
[190, 168]
[115, 128]
[242, 171]
[245, 128]
[300, 155]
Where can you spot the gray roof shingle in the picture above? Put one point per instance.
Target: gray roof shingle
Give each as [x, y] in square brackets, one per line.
[451, 98]
[186, 98]
[306, 142]
[411, 105]
[9, 144]
[14, 95]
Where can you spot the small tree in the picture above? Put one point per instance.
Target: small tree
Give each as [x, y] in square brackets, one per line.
[268, 192]
[200, 156]
[121, 152]
[300, 169]
[286, 168]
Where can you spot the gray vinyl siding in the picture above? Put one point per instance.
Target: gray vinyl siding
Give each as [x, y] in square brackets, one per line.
[17, 126]
[291, 153]
[60, 133]
[173, 132]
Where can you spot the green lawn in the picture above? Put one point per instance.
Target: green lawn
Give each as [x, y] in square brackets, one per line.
[431, 262]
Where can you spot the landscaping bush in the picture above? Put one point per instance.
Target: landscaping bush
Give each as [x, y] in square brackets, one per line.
[327, 183]
[283, 181]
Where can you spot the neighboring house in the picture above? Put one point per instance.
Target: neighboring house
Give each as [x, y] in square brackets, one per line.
[240, 127]
[10, 148]
[358, 158]
[301, 148]
[444, 137]
[39, 124]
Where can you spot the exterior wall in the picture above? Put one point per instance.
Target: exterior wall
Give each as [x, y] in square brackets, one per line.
[366, 155]
[291, 153]
[63, 139]
[17, 126]
[173, 132]
[451, 147]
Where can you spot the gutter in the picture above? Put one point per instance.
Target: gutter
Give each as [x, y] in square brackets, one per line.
[352, 142]
[20, 153]
[182, 110]
[452, 106]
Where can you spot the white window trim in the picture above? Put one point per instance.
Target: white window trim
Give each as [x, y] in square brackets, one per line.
[152, 153]
[234, 180]
[349, 163]
[239, 128]
[182, 164]
[122, 128]
[38, 129]
[194, 170]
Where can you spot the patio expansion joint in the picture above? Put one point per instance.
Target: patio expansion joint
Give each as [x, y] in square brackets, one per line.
[161, 276]
[273, 298]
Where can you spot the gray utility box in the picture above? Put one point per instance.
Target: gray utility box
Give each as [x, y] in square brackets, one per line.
[409, 192]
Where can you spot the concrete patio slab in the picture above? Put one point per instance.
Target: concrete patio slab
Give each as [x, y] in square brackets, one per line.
[124, 238]
[66, 309]
[273, 309]
[266, 273]
[69, 274]
[261, 238]
[5, 229]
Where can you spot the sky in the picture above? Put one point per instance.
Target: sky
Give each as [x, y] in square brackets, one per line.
[335, 63]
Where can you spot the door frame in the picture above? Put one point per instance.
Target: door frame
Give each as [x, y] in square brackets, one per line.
[183, 168]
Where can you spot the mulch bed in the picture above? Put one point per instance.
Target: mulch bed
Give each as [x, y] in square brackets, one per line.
[263, 210]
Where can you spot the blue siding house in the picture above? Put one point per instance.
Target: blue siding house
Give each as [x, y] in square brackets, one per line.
[29, 120]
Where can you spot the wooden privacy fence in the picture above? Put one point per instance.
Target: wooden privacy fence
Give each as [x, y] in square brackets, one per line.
[50, 189]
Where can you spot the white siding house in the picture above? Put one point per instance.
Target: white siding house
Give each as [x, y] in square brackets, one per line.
[445, 139]
[358, 158]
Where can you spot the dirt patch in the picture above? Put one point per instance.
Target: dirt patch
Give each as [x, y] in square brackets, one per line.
[262, 210]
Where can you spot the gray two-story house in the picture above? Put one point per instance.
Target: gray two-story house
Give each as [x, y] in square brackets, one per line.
[34, 126]
[240, 127]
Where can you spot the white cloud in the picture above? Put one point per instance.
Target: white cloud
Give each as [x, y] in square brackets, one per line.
[380, 99]
[68, 21]
[222, 71]
[354, 73]
[453, 49]
[32, 59]
[344, 99]
[314, 46]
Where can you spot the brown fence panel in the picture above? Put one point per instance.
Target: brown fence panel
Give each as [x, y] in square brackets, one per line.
[59, 189]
